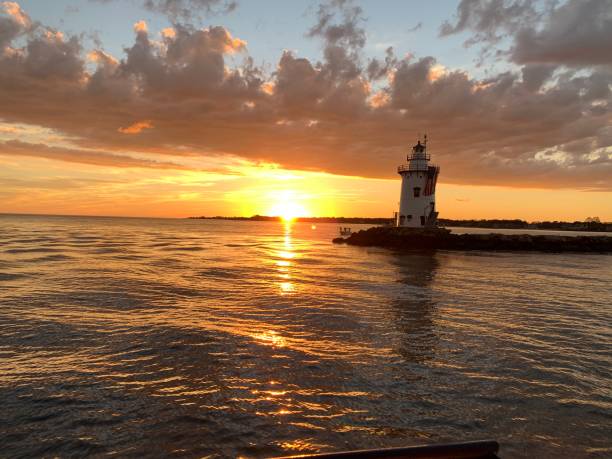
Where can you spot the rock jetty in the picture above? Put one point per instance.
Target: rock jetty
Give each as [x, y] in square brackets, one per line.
[441, 238]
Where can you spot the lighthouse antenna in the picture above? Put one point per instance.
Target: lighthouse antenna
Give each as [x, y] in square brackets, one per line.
[425, 140]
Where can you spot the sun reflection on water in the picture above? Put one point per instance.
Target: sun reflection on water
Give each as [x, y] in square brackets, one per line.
[302, 445]
[286, 254]
[270, 338]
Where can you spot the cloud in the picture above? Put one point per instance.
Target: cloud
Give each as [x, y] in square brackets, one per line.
[573, 33]
[340, 26]
[577, 33]
[490, 20]
[535, 75]
[377, 69]
[96, 158]
[188, 61]
[51, 183]
[186, 9]
[13, 10]
[417, 26]
[141, 26]
[543, 125]
[348, 32]
[13, 23]
[136, 128]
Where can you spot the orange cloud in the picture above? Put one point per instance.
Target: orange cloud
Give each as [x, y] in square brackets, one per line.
[436, 72]
[168, 32]
[235, 44]
[268, 87]
[140, 26]
[380, 99]
[14, 10]
[100, 56]
[136, 128]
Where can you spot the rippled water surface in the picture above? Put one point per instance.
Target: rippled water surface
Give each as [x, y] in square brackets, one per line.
[144, 337]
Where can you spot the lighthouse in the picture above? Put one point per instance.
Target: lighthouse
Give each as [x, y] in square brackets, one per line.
[417, 208]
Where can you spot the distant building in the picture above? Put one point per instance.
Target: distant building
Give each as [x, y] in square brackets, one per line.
[417, 208]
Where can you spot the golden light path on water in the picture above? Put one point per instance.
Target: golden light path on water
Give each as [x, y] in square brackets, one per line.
[219, 338]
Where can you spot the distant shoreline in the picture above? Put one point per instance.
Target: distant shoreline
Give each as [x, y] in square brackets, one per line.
[484, 223]
[264, 218]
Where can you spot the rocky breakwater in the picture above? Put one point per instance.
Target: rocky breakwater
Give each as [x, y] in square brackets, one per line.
[444, 239]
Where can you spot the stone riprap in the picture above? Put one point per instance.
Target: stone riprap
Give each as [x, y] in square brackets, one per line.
[444, 239]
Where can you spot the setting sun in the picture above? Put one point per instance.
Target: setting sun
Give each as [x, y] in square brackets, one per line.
[287, 206]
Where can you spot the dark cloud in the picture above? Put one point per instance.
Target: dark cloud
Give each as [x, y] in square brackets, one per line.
[348, 33]
[14, 22]
[544, 126]
[185, 10]
[417, 26]
[535, 75]
[577, 33]
[340, 26]
[490, 20]
[190, 64]
[52, 57]
[378, 69]
[574, 33]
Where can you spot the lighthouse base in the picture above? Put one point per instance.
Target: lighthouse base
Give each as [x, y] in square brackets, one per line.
[424, 221]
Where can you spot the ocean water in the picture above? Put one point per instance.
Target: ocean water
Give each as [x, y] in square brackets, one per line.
[193, 338]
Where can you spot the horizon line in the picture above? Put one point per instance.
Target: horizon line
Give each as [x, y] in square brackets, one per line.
[280, 218]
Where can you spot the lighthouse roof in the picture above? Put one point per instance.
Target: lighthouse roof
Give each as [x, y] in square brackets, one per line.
[419, 147]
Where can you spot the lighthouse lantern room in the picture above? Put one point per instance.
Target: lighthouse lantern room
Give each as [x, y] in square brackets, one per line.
[417, 207]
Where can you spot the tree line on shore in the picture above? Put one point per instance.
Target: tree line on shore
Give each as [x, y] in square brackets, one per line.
[590, 224]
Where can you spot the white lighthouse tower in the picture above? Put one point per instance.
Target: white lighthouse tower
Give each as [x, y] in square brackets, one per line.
[417, 207]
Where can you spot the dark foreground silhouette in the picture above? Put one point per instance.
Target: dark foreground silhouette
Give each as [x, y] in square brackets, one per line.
[484, 449]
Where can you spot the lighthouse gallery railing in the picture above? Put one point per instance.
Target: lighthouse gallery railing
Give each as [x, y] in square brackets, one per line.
[414, 167]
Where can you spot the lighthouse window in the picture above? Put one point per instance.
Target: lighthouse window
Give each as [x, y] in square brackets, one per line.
[417, 192]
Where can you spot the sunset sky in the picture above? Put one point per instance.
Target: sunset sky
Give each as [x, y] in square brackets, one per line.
[215, 107]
